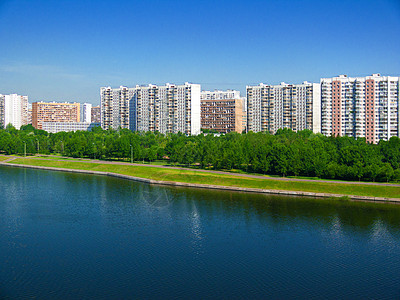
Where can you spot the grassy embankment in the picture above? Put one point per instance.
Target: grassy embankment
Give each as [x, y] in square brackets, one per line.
[190, 176]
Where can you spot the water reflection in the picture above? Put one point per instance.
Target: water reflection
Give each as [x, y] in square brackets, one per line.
[197, 235]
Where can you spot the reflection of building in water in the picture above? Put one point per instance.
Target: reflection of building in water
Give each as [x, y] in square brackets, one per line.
[379, 230]
[196, 228]
[336, 232]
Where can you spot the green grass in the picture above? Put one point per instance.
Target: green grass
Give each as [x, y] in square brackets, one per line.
[192, 176]
[59, 157]
[2, 158]
[167, 163]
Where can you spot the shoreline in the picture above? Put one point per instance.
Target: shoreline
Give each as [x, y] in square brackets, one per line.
[209, 186]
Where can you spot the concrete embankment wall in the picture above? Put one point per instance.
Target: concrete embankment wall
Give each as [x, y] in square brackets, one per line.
[209, 186]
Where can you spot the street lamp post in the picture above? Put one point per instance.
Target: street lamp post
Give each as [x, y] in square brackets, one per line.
[38, 148]
[131, 154]
[24, 149]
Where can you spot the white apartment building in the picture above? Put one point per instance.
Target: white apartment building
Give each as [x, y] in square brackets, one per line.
[115, 105]
[361, 107]
[294, 106]
[87, 112]
[2, 125]
[54, 127]
[167, 109]
[13, 110]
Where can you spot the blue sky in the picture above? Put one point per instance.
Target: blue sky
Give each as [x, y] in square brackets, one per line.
[66, 50]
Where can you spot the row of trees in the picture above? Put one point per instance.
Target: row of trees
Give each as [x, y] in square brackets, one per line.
[285, 153]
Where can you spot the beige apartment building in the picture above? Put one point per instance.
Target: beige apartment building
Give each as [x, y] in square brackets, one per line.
[54, 112]
[222, 111]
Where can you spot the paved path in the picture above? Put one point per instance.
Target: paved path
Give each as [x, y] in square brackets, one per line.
[211, 171]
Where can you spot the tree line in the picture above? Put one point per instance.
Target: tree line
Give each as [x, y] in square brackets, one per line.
[286, 153]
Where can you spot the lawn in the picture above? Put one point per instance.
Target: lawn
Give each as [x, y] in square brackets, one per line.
[193, 176]
[2, 158]
[59, 157]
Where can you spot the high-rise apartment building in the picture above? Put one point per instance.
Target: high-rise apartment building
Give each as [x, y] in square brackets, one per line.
[167, 109]
[54, 112]
[222, 111]
[115, 105]
[13, 110]
[29, 117]
[2, 125]
[294, 106]
[96, 114]
[87, 112]
[361, 107]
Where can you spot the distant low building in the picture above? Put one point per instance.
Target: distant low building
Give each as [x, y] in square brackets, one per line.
[54, 127]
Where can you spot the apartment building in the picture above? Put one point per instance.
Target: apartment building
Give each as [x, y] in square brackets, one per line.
[13, 110]
[54, 127]
[29, 116]
[54, 112]
[168, 109]
[96, 114]
[2, 125]
[87, 113]
[361, 107]
[115, 105]
[294, 106]
[222, 111]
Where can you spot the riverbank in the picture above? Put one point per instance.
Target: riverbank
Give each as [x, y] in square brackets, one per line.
[211, 180]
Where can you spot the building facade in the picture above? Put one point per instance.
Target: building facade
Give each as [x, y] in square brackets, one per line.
[220, 95]
[167, 109]
[294, 106]
[115, 105]
[96, 114]
[54, 112]
[361, 107]
[13, 110]
[222, 111]
[86, 113]
[2, 124]
[54, 127]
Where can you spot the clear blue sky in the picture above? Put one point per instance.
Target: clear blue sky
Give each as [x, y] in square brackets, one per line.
[66, 50]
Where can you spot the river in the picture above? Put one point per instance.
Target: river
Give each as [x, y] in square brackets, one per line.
[77, 236]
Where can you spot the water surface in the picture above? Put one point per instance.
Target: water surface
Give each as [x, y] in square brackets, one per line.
[76, 236]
